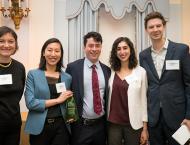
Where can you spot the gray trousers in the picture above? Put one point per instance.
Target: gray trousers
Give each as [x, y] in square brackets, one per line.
[123, 135]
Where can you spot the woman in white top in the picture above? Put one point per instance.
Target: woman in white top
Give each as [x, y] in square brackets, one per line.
[127, 102]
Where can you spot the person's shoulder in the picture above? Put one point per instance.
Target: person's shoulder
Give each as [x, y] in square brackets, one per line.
[140, 68]
[145, 51]
[35, 71]
[66, 74]
[105, 66]
[18, 64]
[178, 45]
[140, 71]
[76, 62]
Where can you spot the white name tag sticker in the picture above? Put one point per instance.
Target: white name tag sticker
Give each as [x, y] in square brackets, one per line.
[182, 135]
[172, 64]
[6, 79]
[60, 87]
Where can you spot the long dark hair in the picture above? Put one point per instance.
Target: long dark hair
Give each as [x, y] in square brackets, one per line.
[42, 64]
[114, 60]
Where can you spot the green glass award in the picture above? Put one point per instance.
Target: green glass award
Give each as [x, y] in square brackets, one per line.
[71, 110]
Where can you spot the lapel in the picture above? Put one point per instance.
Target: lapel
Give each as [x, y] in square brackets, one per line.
[170, 51]
[42, 83]
[104, 72]
[111, 80]
[64, 79]
[106, 76]
[151, 64]
[110, 86]
[80, 76]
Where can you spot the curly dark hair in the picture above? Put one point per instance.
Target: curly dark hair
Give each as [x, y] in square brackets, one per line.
[95, 35]
[114, 60]
[154, 15]
[42, 64]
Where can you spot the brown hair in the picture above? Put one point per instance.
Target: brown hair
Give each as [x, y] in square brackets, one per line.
[5, 30]
[154, 15]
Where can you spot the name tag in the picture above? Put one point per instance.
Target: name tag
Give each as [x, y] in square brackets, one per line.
[6, 79]
[60, 87]
[172, 64]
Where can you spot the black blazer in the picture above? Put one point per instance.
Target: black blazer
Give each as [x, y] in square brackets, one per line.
[75, 69]
[172, 89]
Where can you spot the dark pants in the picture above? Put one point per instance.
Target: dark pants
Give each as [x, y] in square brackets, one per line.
[11, 137]
[88, 134]
[161, 134]
[54, 133]
[123, 135]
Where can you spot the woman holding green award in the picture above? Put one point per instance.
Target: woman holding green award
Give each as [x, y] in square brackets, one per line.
[47, 89]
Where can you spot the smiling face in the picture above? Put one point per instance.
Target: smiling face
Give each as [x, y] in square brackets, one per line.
[155, 29]
[52, 54]
[123, 51]
[92, 49]
[7, 45]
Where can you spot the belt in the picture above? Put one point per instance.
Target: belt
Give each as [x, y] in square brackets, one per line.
[53, 120]
[86, 121]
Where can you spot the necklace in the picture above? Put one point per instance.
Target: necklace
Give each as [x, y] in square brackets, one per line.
[5, 66]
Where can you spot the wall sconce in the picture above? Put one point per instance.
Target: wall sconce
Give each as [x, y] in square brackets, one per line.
[15, 11]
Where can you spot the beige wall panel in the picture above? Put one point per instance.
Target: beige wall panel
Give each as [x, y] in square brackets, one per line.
[186, 21]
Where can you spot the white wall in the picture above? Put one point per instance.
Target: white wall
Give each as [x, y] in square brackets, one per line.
[41, 28]
[174, 25]
[60, 26]
[33, 32]
[186, 21]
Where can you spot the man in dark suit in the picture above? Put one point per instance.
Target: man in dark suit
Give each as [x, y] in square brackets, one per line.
[90, 129]
[168, 71]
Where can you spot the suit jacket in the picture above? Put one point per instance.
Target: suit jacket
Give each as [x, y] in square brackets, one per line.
[137, 99]
[172, 89]
[36, 92]
[75, 69]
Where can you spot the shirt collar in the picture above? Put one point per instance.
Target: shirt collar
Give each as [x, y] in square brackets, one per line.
[165, 46]
[89, 63]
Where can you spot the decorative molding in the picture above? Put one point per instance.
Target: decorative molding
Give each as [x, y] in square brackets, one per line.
[118, 8]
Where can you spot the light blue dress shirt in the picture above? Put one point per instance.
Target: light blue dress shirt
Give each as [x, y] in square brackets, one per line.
[88, 107]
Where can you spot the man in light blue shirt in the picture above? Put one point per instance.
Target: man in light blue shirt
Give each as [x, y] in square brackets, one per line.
[90, 129]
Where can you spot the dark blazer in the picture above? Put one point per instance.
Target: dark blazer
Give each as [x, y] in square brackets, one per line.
[172, 89]
[75, 69]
